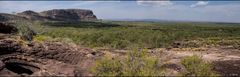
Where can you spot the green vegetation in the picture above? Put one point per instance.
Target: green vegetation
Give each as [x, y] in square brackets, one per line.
[143, 34]
[136, 63]
[139, 63]
[107, 67]
[195, 66]
[127, 35]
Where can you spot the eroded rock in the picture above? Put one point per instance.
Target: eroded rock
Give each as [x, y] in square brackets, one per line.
[39, 58]
[2, 65]
[8, 46]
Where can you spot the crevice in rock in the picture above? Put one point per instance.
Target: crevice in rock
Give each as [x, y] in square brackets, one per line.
[21, 68]
[17, 68]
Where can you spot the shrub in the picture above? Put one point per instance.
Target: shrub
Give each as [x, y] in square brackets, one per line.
[195, 66]
[107, 67]
[24, 29]
[136, 63]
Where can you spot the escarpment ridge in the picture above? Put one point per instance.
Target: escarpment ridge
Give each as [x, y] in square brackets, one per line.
[54, 14]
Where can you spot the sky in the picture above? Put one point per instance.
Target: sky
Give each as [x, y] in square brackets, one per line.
[213, 11]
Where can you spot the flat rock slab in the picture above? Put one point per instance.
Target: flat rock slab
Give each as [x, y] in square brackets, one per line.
[228, 67]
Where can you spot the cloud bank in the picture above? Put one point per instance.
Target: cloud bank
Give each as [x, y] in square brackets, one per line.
[199, 3]
[154, 3]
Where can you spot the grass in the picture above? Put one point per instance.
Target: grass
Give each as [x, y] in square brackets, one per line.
[136, 63]
[41, 38]
[126, 35]
[195, 66]
[139, 63]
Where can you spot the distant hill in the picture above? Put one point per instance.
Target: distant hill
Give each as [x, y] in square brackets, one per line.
[55, 14]
[7, 17]
[171, 21]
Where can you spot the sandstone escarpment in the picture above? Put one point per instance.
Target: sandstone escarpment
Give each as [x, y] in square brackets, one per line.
[69, 14]
[60, 14]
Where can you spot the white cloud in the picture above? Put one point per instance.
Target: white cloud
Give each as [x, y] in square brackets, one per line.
[199, 3]
[154, 3]
[19, 6]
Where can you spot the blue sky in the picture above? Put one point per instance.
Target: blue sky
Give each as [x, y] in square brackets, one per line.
[221, 11]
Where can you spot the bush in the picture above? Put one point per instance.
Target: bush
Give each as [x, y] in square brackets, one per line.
[136, 63]
[25, 29]
[195, 66]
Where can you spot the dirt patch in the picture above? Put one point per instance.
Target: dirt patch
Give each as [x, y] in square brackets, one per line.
[175, 67]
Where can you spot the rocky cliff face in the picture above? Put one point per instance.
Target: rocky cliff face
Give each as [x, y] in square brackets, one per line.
[60, 14]
[69, 14]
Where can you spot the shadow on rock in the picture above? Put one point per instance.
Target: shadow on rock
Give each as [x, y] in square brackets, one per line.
[7, 29]
[80, 24]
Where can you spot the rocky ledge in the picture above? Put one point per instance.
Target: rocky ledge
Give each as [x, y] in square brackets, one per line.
[32, 58]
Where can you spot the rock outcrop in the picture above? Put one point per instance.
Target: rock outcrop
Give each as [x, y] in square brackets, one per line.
[23, 58]
[39, 59]
[60, 15]
[69, 14]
